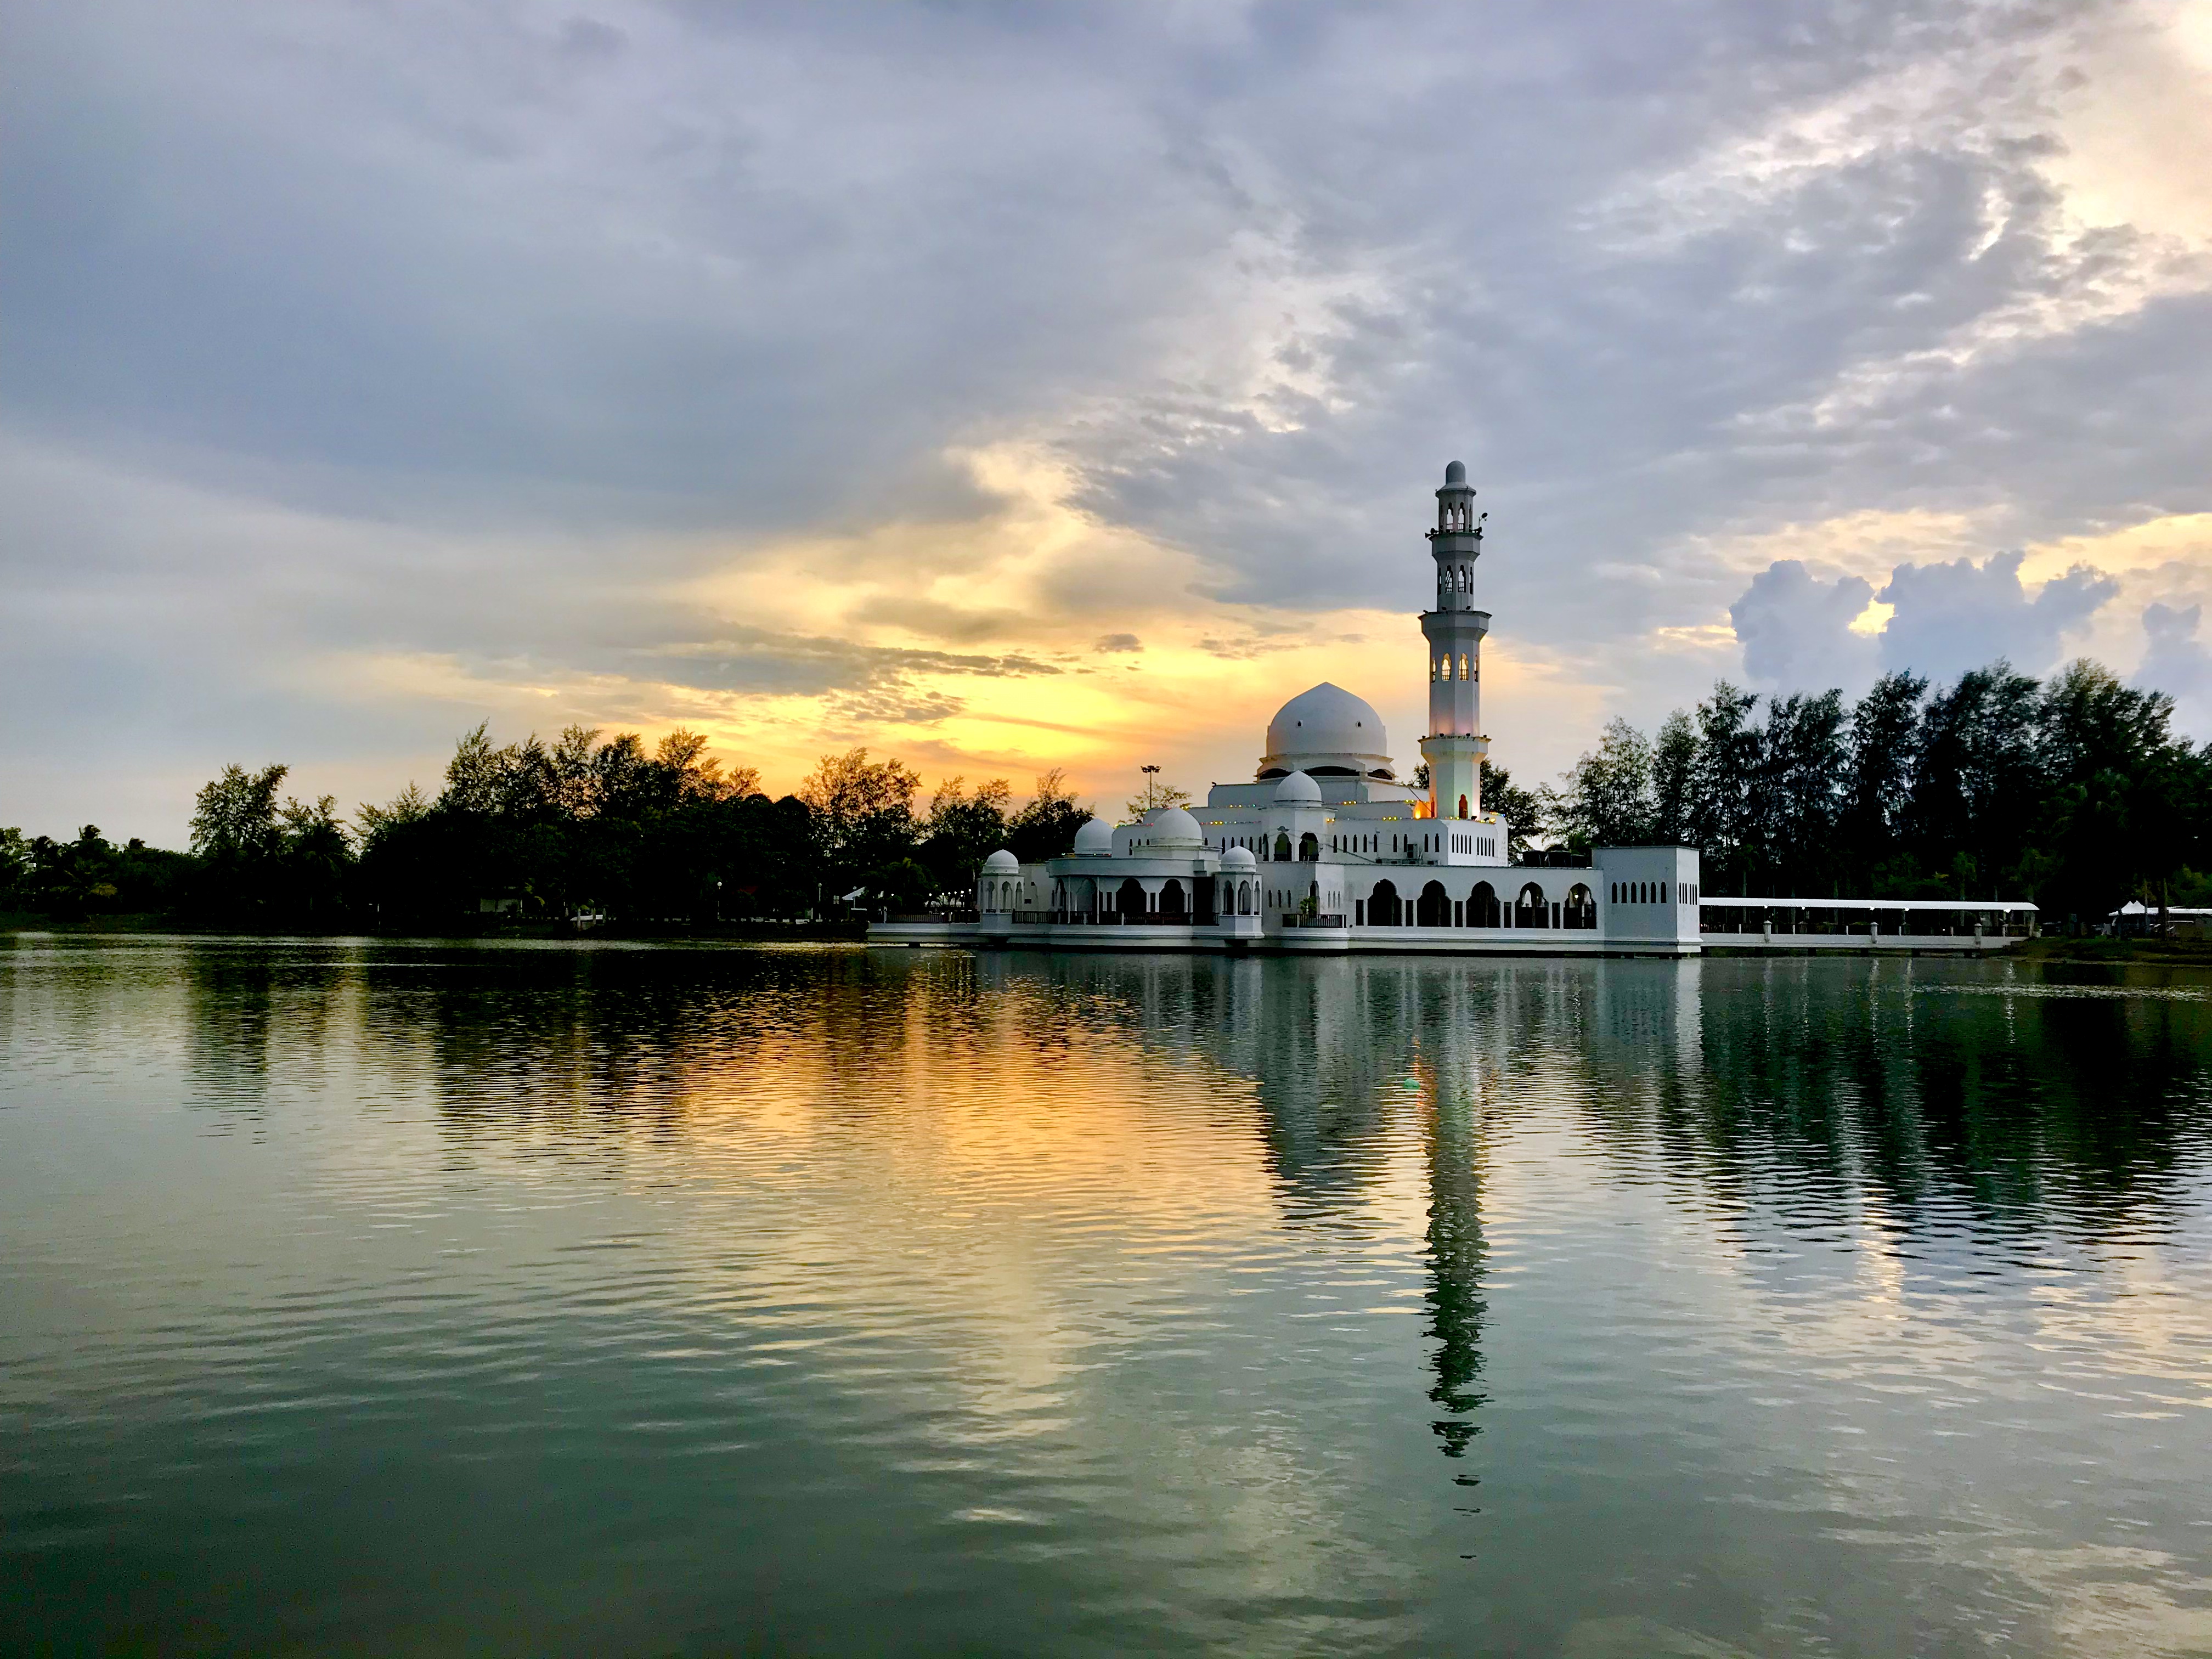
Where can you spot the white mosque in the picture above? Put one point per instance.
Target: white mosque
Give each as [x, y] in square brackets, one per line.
[1328, 849]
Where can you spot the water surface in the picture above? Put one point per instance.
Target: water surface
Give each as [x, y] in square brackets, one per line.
[363, 1298]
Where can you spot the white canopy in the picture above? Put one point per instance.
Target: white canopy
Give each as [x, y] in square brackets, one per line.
[2007, 905]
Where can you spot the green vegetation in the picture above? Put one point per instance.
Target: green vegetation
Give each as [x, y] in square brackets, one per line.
[71, 881]
[532, 832]
[2072, 794]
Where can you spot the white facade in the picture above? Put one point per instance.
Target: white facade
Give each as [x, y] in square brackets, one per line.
[1180, 890]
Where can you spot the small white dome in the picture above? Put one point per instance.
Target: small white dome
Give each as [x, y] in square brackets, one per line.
[1002, 863]
[1298, 790]
[1239, 858]
[1171, 826]
[1095, 840]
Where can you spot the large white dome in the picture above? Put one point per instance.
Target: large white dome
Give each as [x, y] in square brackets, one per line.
[1325, 730]
[1095, 840]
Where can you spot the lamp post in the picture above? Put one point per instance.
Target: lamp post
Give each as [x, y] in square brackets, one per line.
[1151, 798]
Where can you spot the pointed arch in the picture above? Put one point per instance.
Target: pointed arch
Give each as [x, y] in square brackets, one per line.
[1383, 905]
[1433, 910]
[1482, 906]
[1531, 909]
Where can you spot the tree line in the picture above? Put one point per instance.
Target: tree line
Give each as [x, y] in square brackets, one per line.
[585, 826]
[2072, 792]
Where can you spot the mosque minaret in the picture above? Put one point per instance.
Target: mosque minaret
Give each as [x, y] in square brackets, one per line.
[1455, 746]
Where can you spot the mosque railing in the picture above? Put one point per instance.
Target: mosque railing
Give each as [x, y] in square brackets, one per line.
[1788, 918]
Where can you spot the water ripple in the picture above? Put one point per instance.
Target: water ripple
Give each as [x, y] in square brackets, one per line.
[357, 1296]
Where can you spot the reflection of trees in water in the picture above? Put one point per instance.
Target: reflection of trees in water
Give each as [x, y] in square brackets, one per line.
[247, 1003]
[583, 1051]
[1912, 1083]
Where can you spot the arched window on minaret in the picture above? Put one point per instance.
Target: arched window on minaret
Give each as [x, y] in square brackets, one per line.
[1462, 674]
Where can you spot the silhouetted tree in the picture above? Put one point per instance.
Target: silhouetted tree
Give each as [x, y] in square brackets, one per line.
[1674, 780]
[963, 827]
[1722, 774]
[1883, 748]
[1046, 827]
[1609, 799]
[1527, 819]
[1798, 798]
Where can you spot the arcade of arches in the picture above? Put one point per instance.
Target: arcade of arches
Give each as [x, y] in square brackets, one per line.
[1433, 907]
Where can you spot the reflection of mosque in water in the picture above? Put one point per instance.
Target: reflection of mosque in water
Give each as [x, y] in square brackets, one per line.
[1339, 1050]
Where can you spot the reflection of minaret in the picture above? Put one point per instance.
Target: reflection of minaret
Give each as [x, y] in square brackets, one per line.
[1455, 1262]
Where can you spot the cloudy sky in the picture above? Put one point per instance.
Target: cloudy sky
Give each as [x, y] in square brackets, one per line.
[1003, 387]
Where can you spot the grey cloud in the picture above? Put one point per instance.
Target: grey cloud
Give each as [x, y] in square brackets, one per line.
[942, 622]
[1795, 629]
[859, 711]
[759, 659]
[1253, 645]
[1951, 617]
[2178, 664]
[1119, 642]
